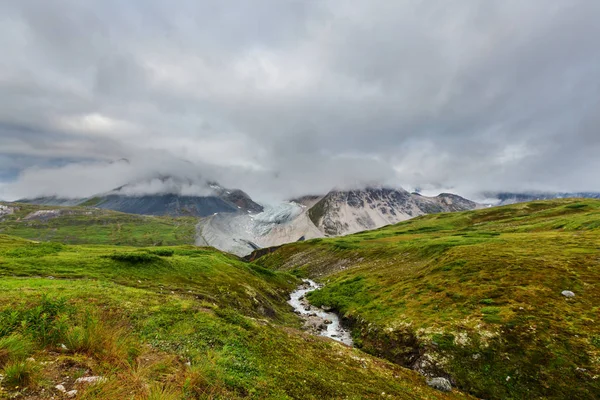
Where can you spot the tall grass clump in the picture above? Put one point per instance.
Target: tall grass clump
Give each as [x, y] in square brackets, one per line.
[20, 374]
[14, 348]
[103, 341]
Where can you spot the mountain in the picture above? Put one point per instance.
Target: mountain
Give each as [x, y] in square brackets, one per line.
[341, 212]
[313, 216]
[504, 198]
[164, 196]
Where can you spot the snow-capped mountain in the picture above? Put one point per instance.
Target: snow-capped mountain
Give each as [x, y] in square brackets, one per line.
[342, 212]
[164, 196]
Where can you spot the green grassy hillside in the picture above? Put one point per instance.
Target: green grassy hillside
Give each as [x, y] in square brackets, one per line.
[474, 296]
[78, 225]
[169, 323]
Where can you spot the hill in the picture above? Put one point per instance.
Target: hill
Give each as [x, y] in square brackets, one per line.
[76, 225]
[168, 323]
[474, 296]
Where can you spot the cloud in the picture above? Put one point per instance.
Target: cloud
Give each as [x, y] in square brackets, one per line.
[286, 98]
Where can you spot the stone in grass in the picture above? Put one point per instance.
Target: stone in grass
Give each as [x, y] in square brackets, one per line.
[89, 379]
[441, 384]
[567, 293]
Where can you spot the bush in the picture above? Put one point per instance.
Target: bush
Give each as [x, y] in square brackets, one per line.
[134, 258]
[162, 252]
[47, 323]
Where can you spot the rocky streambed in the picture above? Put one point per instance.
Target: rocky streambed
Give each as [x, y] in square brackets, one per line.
[317, 320]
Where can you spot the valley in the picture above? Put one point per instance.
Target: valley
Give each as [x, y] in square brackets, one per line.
[471, 299]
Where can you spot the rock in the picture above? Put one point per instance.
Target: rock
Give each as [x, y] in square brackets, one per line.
[441, 384]
[567, 293]
[327, 322]
[71, 393]
[30, 359]
[60, 388]
[89, 379]
[326, 308]
[307, 308]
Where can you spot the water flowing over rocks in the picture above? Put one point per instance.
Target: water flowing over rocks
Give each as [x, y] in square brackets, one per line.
[316, 320]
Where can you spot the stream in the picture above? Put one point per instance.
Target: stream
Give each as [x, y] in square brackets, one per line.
[317, 320]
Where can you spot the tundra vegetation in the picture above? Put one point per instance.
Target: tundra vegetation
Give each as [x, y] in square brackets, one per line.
[472, 296]
[475, 297]
[163, 322]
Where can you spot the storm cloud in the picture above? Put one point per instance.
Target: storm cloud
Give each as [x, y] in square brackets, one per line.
[282, 98]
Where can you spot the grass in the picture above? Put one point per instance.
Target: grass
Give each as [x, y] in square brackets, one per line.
[489, 279]
[169, 323]
[84, 225]
[20, 374]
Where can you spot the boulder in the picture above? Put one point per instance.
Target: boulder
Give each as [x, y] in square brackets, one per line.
[441, 384]
[567, 293]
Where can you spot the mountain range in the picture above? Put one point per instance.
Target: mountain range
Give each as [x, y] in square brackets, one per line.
[231, 221]
[505, 198]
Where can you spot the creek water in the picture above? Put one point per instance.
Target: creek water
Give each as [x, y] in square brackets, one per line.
[316, 317]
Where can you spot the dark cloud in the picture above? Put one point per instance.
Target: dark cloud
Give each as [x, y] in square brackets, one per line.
[282, 98]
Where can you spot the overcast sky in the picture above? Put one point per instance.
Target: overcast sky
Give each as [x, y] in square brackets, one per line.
[282, 97]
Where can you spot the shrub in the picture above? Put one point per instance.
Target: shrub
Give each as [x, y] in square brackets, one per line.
[46, 323]
[134, 258]
[162, 252]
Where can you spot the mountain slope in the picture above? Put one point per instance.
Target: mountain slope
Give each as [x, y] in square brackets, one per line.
[474, 296]
[343, 212]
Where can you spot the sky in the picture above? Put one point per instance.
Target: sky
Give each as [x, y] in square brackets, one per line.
[282, 97]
